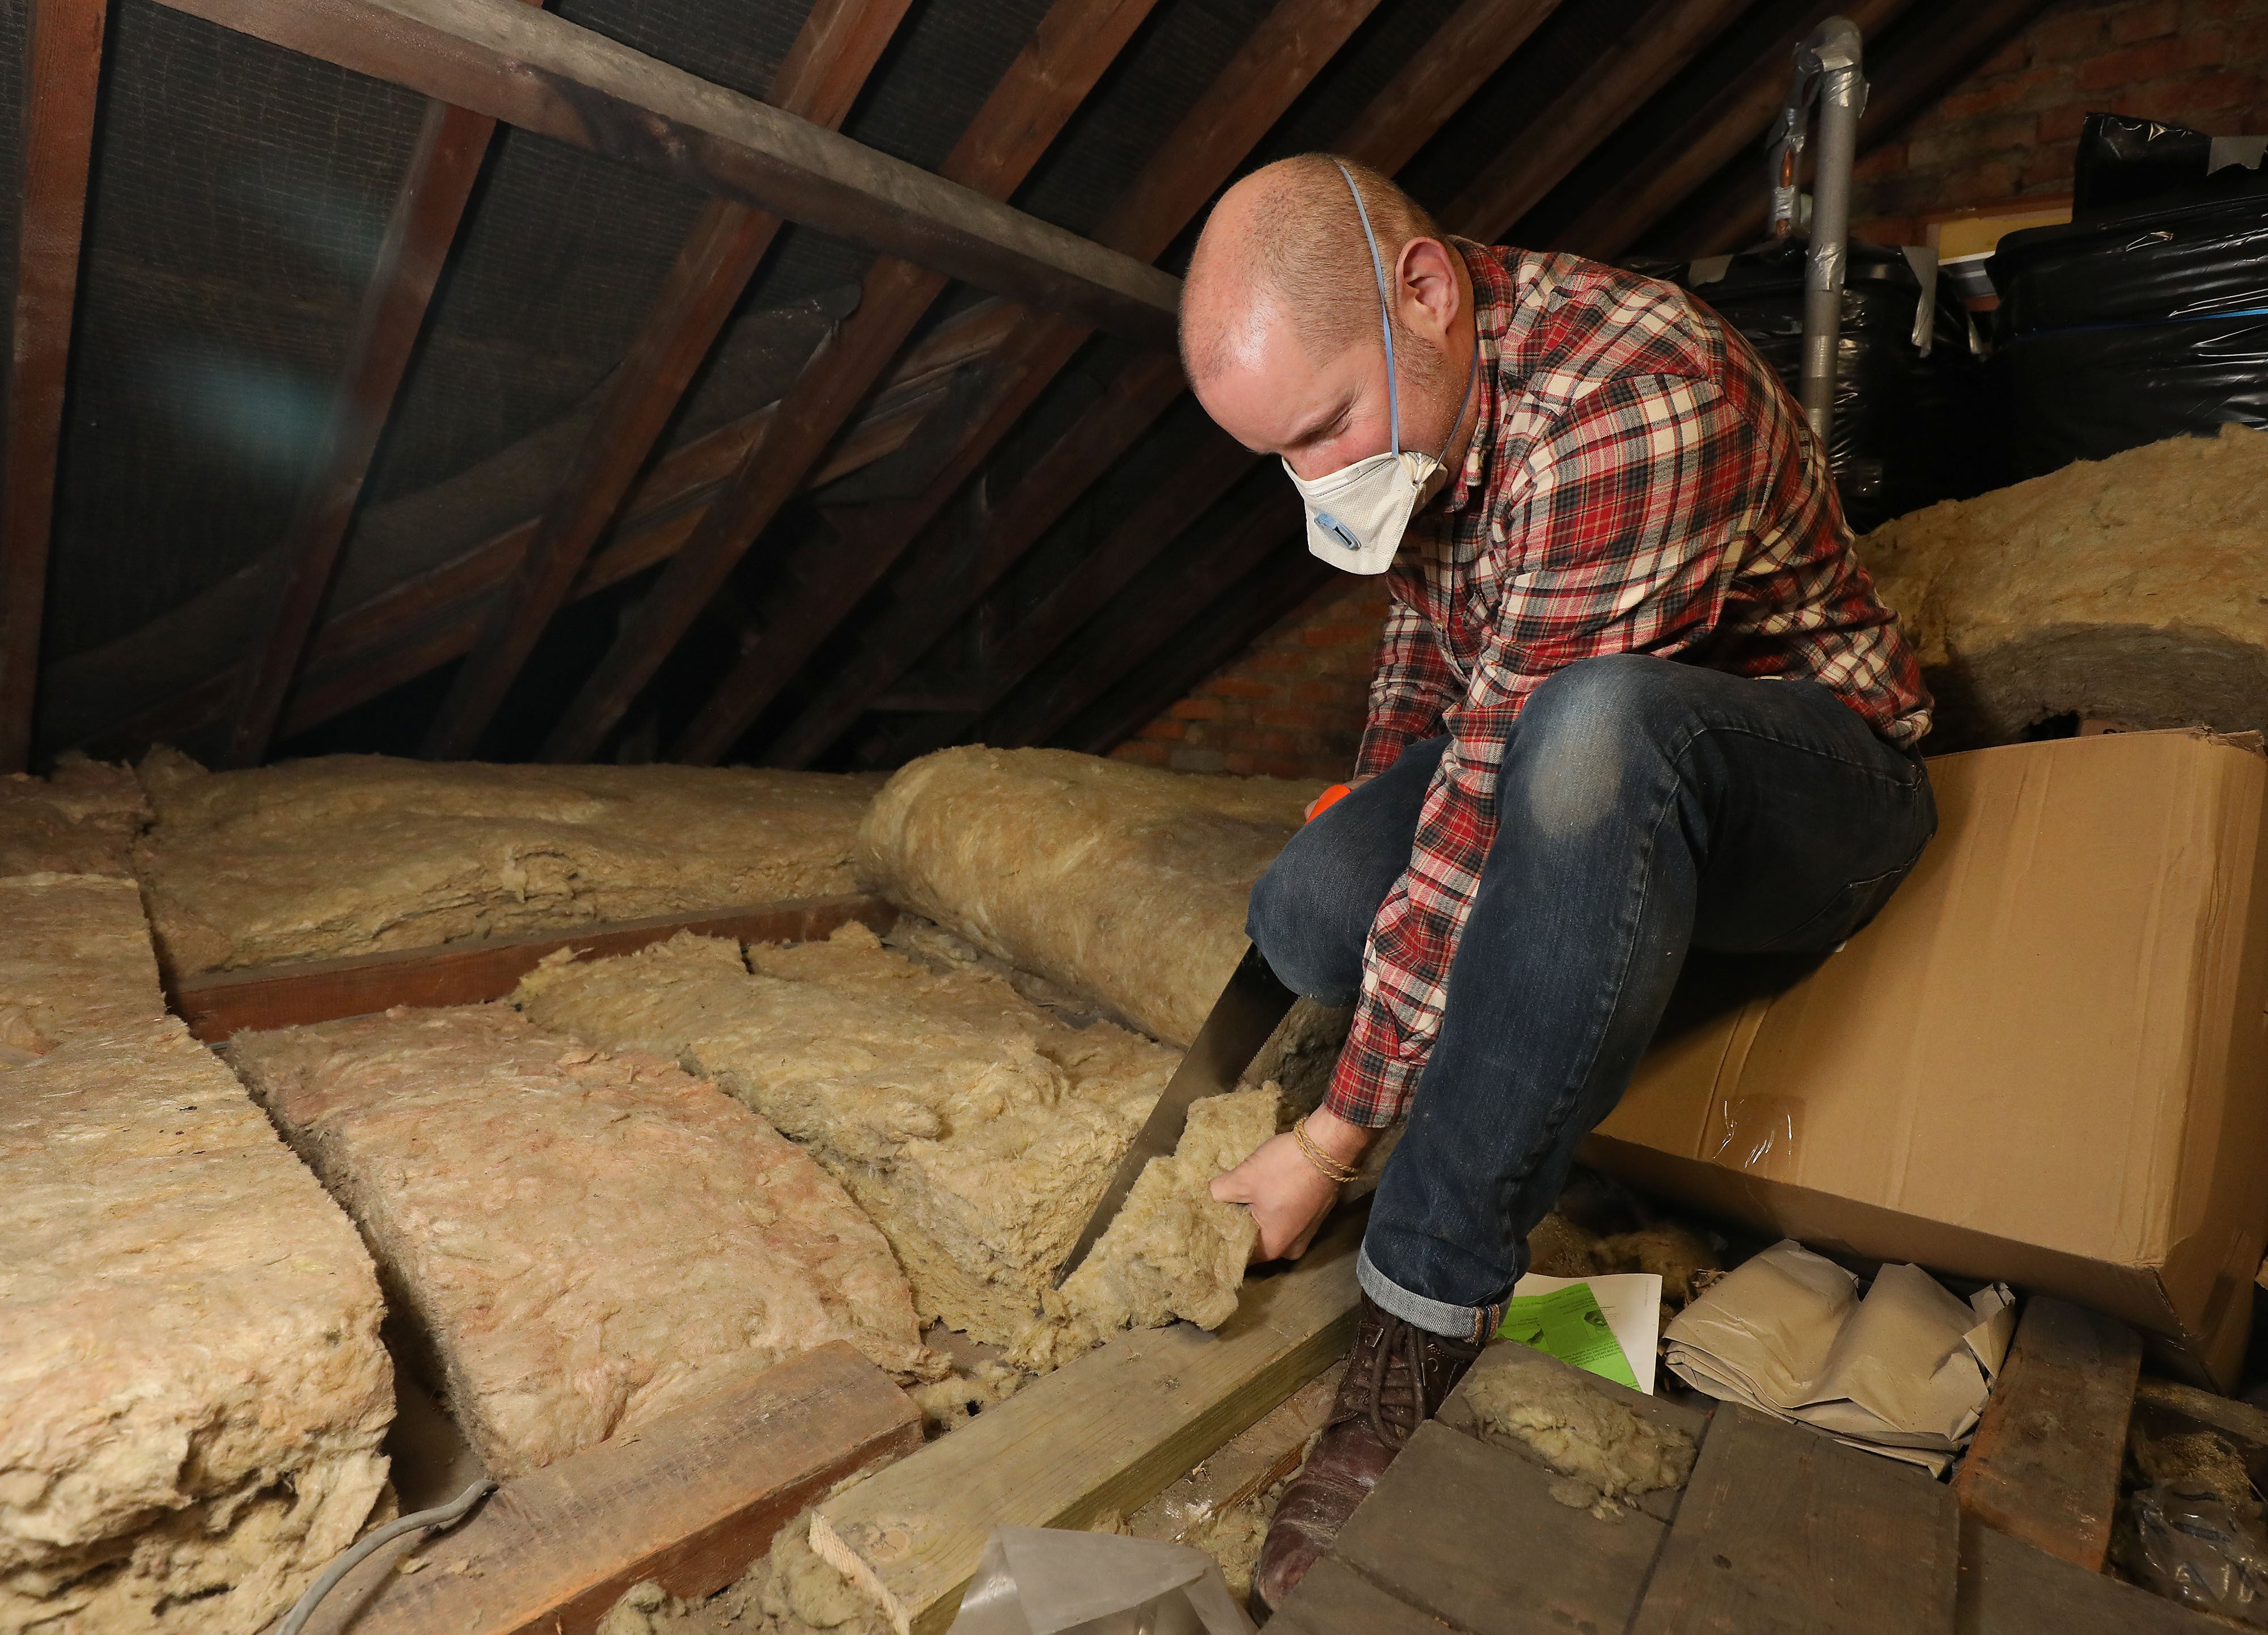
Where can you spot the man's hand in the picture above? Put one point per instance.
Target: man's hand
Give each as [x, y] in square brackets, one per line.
[1288, 1196]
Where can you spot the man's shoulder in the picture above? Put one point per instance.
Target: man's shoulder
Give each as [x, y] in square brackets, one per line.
[1575, 325]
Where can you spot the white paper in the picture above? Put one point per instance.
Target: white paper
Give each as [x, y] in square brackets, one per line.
[1631, 1301]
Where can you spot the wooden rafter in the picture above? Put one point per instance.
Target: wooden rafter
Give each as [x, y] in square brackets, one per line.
[443, 166]
[62, 72]
[1666, 37]
[1289, 48]
[1395, 126]
[1073, 46]
[544, 74]
[840, 43]
[1731, 123]
[1119, 646]
[1921, 68]
[1212, 636]
[428, 619]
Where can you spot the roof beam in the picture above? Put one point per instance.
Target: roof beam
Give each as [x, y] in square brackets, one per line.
[840, 42]
[1288, 49]
[1730, 123]
[1194, 163]
[443, 166]
[63, 71]
[1468, 48]
[544, 74]
[1121, 643]
[1666, 38]
[1901, 83]
[360, 651]
[1068, 52]
[1229, 624]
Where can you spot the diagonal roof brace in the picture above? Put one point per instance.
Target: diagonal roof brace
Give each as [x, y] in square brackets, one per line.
[546, 75]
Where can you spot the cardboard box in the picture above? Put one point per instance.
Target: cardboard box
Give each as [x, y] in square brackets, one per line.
[2046, 1061]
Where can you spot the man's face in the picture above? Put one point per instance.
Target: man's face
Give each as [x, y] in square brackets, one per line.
[1265, 392]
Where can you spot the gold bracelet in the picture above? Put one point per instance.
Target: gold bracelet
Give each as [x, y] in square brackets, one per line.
[1330, 1167]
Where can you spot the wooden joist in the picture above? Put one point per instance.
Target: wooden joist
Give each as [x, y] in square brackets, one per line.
[443, 166]
[1108, 1431]
[1069, 52]
[941, 587]
[840, 42]
[62, 68]
[546, 75]
[689, 1500]
[217, 1004]
[1731, 123]
[2044, 1464]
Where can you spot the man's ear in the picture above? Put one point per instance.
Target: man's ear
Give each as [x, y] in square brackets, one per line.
[1425, 281]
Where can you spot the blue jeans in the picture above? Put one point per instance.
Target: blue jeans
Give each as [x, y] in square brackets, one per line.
[1643, 808]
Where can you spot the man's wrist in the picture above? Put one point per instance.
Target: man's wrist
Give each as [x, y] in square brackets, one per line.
[1337, 1138]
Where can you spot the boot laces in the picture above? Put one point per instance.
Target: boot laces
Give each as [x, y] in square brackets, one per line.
[1396, 1378]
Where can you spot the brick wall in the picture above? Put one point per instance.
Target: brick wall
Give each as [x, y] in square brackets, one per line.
[1290, 707]
[2012, 127]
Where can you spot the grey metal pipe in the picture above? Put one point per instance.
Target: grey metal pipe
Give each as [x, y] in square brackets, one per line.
[1830, 58]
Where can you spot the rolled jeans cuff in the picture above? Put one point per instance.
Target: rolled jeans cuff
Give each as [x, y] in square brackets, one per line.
[1475, 1324]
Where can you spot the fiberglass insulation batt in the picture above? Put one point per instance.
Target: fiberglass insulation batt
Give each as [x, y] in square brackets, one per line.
[356, 854]
[192, 1389]
[1124, 884]
[974, 1128]
[586, 1239]
[2127, 588]
[80, 821]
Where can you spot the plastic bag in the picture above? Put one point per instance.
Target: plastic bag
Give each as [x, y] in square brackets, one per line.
[2144, 322]
[1053, 1582]
[2195, 1548]
[2123, 160]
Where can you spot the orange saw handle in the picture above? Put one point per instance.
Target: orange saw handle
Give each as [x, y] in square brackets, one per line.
[1329, 799]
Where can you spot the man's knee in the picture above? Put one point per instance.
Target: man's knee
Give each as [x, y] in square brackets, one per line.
[1587, 730]
[1308, 919]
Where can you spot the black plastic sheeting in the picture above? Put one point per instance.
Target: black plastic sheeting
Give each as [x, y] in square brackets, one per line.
[1910, 427]
[2143, 321]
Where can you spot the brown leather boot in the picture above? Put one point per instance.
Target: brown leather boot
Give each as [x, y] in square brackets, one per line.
[1398, 1376]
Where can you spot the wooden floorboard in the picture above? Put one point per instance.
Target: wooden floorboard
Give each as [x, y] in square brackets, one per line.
[1783, 1530]
[217, 1004]
[2008, 1587]
[1334, 1599]
[2044, 1464]
[691, 1500]
[1469, 1533]
[1108, 1431]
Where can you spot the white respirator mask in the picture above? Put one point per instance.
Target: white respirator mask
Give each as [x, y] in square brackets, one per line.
[1356, 515]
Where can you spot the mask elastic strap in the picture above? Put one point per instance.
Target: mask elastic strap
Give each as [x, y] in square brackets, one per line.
[1385, 319]
[1472, 375]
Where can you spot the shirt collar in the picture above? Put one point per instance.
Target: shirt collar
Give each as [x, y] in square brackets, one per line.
[1493, 298]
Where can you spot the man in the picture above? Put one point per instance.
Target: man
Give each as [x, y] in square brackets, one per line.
[1634, 694]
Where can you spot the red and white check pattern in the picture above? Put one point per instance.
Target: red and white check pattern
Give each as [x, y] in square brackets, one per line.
[1641, 483]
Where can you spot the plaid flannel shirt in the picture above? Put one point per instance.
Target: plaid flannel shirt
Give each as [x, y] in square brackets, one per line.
[1640, 482]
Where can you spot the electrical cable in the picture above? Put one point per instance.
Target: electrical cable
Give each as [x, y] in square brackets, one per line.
[440, 1515]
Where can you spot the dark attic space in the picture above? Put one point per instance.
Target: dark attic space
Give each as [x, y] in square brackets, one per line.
[1042, 817]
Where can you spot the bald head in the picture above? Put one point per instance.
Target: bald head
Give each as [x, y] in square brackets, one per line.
[1280, 315]
[1285, 245]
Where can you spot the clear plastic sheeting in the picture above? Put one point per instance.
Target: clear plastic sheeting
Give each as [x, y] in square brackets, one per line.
[2197, 1549]
[1053, 1582]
